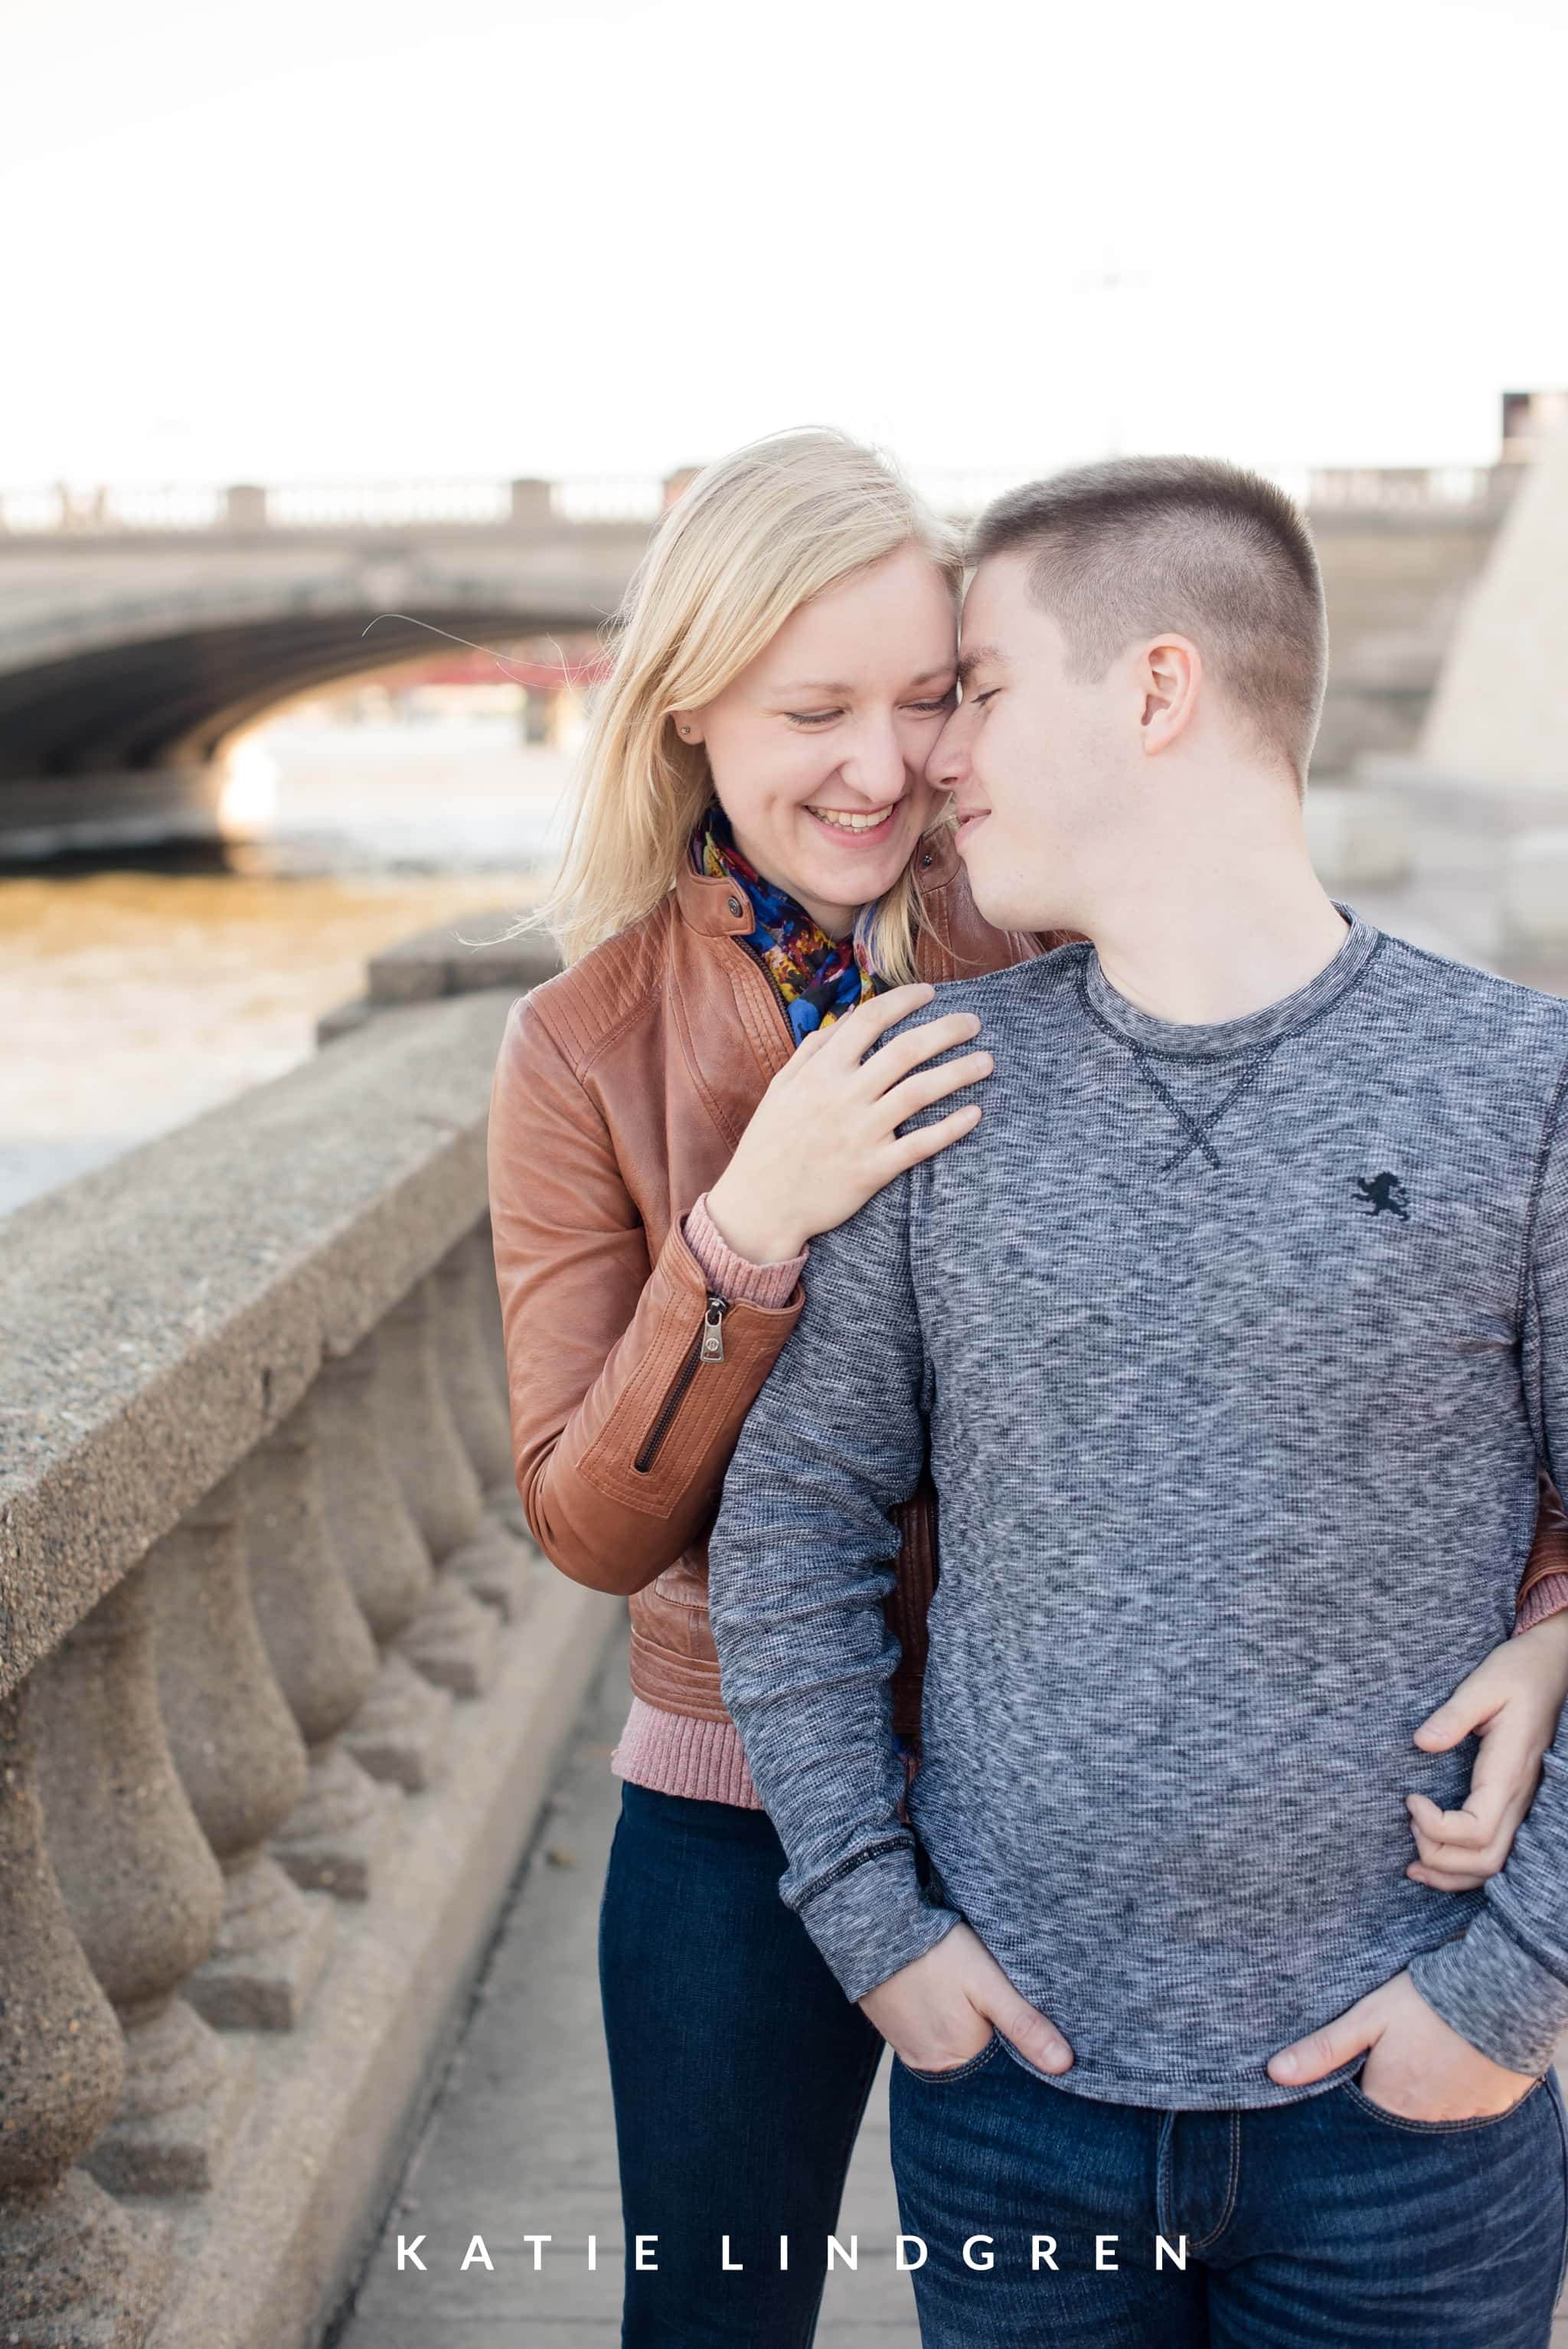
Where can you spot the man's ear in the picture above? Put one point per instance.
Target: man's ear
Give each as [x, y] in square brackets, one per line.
[1171, 675]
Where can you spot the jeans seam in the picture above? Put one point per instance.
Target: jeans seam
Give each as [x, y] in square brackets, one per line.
[1162, 2166]
[1442, 2129]
[957, 2071]
[1562, 2138]
[1233, 2184]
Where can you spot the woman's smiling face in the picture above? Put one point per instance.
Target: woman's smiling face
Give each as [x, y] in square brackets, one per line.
[818, 748]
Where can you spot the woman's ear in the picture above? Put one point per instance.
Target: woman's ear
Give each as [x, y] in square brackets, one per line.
[687, 725]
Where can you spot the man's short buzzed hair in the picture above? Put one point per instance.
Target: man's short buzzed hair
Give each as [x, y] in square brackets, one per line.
[1133, 545]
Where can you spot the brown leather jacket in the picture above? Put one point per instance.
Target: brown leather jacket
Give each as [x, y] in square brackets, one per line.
[622, 1087]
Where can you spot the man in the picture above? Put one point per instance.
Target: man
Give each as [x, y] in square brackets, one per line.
[1236, 1330]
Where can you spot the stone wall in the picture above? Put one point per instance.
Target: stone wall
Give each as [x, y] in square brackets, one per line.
[282, 1682]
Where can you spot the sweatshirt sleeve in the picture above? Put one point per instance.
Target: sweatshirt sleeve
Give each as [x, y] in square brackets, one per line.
[1504, 1985]
[800, 1561]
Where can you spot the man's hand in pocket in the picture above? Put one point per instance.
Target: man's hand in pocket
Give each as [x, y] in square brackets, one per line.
[940, 2011]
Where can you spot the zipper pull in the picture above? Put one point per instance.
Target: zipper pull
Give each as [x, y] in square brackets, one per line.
[713, 1329]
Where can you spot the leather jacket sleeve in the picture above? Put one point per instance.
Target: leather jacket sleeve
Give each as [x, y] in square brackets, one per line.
[1549, 1551]
[620, 1444]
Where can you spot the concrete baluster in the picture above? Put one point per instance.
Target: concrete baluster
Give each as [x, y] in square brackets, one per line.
[494, 1328]
[145, 1896]
[438, 1476]
[242, 1760]
[498, 1562]
[489, 1358]
[74, 2272]
[437, 1484]
[320, 1647]
[399, 1731]
[451, 1640]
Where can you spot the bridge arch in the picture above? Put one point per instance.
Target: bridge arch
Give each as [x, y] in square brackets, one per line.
[178, 699]
[129, 664]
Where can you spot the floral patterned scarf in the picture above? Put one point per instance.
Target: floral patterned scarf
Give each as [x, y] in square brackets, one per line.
[819, 976]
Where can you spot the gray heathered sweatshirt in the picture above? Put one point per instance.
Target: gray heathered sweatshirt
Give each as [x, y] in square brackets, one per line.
[1235, 1348]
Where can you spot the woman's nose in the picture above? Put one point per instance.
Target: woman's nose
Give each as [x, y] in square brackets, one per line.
[877, 764]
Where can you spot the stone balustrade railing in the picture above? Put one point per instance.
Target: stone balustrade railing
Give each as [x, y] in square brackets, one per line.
[281, 1685]
[620, 500]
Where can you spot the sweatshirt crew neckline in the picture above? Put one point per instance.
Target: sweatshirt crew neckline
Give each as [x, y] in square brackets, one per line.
[1218, 1038]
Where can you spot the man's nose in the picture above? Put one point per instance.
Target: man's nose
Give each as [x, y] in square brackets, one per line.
[949, 761]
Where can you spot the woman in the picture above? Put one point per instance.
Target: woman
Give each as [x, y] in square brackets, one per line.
[759, 882]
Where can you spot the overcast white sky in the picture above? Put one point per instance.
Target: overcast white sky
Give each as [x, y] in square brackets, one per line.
[326, 238]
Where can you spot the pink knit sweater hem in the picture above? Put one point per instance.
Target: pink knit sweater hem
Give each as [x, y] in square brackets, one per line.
[677, 1754]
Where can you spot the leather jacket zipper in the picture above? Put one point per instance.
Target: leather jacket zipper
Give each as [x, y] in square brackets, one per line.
[706, 1347]
[780, 998]
[708, 1344]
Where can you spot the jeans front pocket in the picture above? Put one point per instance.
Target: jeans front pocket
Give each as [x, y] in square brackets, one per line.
[954, 2071]
[1470, 2122]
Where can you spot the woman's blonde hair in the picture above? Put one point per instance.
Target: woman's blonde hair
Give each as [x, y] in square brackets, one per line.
[754, 537]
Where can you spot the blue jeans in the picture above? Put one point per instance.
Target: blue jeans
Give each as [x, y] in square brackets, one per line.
[739, 2072]
[1327, 2220]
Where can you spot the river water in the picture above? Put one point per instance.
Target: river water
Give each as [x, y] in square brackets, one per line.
[141, 991]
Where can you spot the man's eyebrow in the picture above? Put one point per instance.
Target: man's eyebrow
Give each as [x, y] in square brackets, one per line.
[978, 656]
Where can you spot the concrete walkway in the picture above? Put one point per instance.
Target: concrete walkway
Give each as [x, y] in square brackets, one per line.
[521, 2138]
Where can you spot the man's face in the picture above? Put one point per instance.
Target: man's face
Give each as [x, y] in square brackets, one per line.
[1034, 758]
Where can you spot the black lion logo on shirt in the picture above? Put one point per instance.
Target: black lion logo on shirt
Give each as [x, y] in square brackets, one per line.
[1384, 1194]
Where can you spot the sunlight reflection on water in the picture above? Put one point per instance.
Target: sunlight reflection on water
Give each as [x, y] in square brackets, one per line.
[149, 989]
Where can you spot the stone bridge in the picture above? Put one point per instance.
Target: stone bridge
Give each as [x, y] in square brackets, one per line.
[141, 633]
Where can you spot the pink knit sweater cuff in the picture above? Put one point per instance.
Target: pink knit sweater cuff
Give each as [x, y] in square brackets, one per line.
[1550, 1595]
[736, 1277]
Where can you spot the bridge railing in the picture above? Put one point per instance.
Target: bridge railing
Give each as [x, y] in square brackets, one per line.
[281, 1683]
[1401, 487]
[622, 499]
